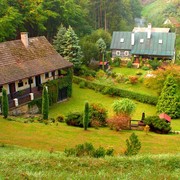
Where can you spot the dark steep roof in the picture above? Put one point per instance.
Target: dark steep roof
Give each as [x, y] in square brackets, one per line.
[117, 36]
[18, 62]
[152, 46]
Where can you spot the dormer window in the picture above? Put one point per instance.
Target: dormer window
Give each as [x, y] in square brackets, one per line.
[122, 40]
[141, 40]
[160, 41]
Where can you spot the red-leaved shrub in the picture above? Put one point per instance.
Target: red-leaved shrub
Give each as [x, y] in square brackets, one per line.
[118, 122]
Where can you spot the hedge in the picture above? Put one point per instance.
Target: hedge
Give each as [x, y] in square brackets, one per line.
[114, 91]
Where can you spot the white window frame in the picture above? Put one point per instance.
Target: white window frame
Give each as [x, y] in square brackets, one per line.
[126, 53]
[118, 53]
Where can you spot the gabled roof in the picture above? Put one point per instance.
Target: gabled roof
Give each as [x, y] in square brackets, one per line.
[125, 37]
[18, 62]
[160, 44]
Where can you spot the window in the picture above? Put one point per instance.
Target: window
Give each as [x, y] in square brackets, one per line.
[1, 87]
[122, 40]
[20, 83]
[30, 80]
[126, 53]
[53, 73]
[118, 53]
[160, 41]
[141, 40]
[46, 75]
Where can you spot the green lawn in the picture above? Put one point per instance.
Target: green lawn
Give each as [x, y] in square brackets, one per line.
[138, 87]
[79, 96]
[16, 163]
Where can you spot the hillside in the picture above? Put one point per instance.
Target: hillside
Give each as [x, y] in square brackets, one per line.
[157, 11]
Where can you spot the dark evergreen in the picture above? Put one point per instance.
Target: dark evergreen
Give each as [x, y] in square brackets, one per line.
[86, 116]
[45, 103]
[5, 105]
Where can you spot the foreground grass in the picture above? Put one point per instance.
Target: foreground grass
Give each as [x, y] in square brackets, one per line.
[18, 163]
[45, 137]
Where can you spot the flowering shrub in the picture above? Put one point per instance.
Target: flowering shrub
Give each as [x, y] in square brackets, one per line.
[133, 79]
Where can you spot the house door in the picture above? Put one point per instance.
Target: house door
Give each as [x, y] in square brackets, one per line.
[62, 94]
[38, 80]
[12, 89]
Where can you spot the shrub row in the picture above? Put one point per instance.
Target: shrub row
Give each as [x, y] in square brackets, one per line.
[87, 149]
[114, 91]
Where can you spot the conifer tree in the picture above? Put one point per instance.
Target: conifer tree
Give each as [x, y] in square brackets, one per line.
[58, 41]
[71, 48]
[169, 99]
[5, 105]
[45, 103]
[86, 116]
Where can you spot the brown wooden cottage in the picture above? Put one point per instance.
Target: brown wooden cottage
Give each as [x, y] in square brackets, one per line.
[27, 63]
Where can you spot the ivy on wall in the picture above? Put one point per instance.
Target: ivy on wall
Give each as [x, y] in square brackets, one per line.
[55, 85]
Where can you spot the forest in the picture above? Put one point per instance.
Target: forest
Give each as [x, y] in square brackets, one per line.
[44, 17]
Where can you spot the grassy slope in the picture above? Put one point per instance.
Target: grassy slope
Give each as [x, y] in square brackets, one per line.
[18, 163]
[41, 136]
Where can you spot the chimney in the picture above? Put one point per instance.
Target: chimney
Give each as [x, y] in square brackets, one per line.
[149, 31]
[132, 38]
[24, 39]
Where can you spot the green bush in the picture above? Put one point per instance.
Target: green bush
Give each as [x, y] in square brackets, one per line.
[116, 62]
[154, 63]
[5, 103]
[129, 64]
[145, 68]
[117, 91]
[157, 125]
[87, 149]
[37, 102]
[82, 84]
[133, 145]
[74, 119]
[45, 103]
[100, 152]
[60, 118]
[97, 113]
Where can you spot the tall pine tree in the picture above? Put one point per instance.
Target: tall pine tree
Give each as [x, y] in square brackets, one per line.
[72, 50]
[169, 100]
[58, 41]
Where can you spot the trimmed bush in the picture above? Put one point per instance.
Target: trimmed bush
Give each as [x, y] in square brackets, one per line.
[82, 84]
[74, 119]
[45, 103]
[5, 104]
[86, 116]
[117, 91]
[157, 125]
[129, 64]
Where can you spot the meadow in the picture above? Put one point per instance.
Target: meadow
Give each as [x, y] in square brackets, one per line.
[18, 163]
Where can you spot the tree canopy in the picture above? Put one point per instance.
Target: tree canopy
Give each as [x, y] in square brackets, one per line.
[43, 17]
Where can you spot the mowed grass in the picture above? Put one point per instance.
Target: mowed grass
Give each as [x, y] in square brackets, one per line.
[46, 137]
[138, 87]
[79, 96]
[16, 163]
